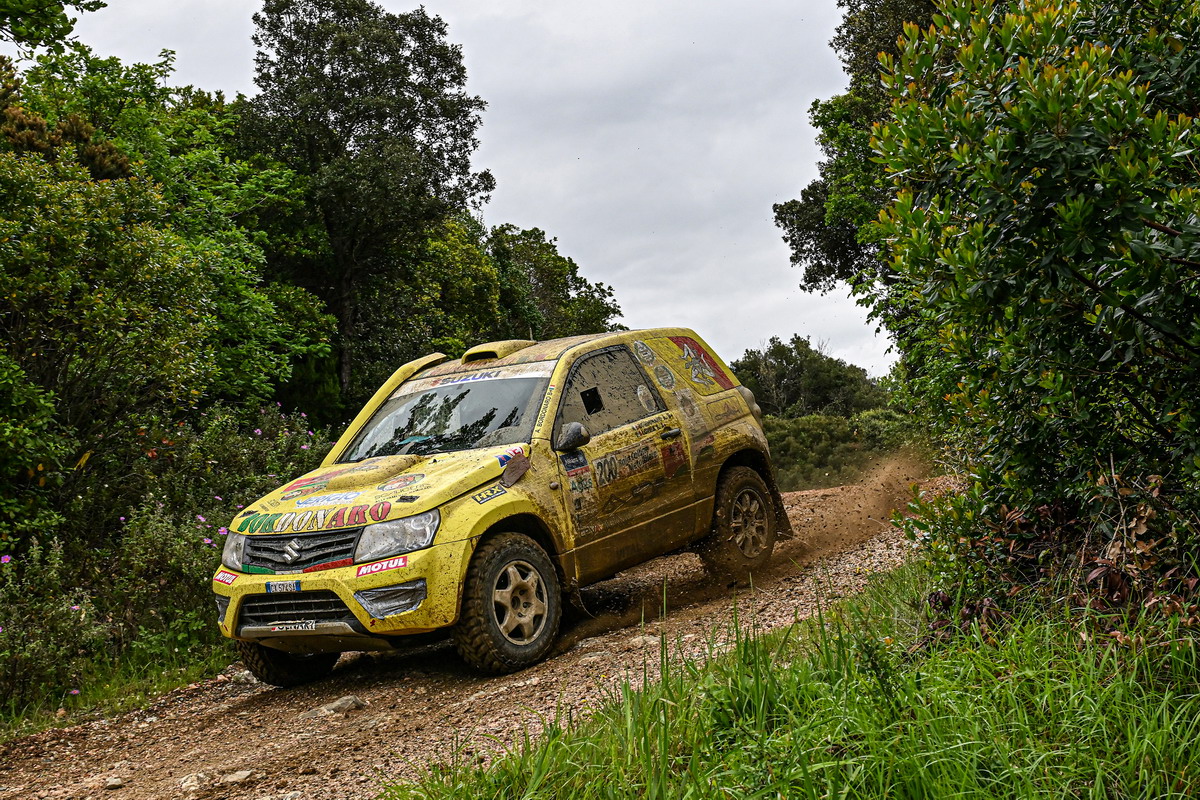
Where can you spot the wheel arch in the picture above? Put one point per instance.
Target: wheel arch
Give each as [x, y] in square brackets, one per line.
[761, 463]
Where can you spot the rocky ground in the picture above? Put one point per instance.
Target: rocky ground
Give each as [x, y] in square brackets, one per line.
[385, 716]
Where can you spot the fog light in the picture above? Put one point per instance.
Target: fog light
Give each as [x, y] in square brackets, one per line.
[222, 606]
[387, 601]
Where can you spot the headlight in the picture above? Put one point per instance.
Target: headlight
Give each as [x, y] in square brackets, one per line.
[397, 536]
[235, 544]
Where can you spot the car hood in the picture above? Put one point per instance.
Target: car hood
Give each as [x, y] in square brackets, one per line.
[373, 490]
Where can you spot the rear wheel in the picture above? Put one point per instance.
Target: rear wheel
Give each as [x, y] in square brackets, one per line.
[512, 605]
[284, 669]
[743, 532]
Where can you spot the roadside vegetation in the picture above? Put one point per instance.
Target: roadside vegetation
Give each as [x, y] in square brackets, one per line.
[195, 291]
[862, 703]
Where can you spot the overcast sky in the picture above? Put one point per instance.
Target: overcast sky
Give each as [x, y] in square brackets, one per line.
[649, 137]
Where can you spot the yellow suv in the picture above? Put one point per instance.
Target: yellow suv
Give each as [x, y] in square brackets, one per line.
[474, 493]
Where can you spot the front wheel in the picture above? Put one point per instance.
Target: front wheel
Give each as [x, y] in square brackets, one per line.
[284, 669]
[512, 605]
[743, 532]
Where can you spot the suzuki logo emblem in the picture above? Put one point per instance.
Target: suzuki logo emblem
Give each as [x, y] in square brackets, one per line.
[291, 551]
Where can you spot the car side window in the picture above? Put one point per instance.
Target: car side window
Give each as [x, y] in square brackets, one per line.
[607, 390]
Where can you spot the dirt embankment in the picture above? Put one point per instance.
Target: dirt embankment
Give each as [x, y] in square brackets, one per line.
[233, 738]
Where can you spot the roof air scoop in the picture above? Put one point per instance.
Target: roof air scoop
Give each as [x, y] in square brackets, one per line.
[484, 352]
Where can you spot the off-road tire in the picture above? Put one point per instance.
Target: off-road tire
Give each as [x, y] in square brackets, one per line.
[743, 530]
[510, 578]
[284, 669]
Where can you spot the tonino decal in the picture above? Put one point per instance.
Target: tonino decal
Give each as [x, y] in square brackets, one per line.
[317, 519]
[380, 566]
[475, 376]
[509, 454]
[224, 577]
[327, 499]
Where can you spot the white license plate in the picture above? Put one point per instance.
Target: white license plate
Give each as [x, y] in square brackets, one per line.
[283, 586]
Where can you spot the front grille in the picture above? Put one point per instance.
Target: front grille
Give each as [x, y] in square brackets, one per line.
[270, 609]
[310, 549]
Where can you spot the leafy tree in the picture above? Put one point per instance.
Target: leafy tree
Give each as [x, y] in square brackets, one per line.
[795, 380]
[40, 22]
[1045, 261]
[370, 109]
[830, 227]
[541, 291]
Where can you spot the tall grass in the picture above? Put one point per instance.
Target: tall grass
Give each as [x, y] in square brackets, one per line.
[838, 708]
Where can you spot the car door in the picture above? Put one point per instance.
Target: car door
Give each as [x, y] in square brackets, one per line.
[629, 489]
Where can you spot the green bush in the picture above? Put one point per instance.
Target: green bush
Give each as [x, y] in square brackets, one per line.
[49, 629]
[819, 450]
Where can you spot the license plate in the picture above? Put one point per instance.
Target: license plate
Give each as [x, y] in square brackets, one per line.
[283, 586]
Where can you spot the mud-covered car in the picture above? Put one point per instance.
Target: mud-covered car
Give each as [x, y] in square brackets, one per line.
[473, 494]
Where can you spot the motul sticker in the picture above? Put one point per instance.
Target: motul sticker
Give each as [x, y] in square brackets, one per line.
[379, 566]
[224, 577]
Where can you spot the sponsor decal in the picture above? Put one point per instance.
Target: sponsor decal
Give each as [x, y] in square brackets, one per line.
[646, 398]
[399, 562]
[509, 454]
[400, 482]
[673, 457]
[724, 411]
[664, 376]
[575, 462]
[490, 493]
[224, 577]
[468, 378]
[341, 562]
[644, 353]
[316, 519]
[702, 368]
[582, 483]
[307, 625]
[624, 463]
[648, 426]
[327, 499]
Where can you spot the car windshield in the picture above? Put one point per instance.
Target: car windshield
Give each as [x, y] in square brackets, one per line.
[456, 412]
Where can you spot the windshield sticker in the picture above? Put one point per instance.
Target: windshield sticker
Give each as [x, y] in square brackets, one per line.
[490, 493]
[401, 482]
[665, 377]
[469, 377]
[646, 399]
[541, 418]
[379, 566]
[327, 499]
[224, 577]
[644, 353]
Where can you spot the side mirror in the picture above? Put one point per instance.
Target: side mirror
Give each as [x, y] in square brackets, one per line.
[573, 436]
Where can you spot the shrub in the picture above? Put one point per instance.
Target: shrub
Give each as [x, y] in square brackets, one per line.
[819, 450]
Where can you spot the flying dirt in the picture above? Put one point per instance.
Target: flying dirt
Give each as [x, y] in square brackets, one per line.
[384, 717]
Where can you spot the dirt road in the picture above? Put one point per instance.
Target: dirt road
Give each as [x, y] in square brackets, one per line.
[233, 738]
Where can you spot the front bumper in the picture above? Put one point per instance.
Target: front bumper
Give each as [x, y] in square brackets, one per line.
[356, 607]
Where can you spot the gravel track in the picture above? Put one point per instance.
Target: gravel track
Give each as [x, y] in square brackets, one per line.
[230, 737]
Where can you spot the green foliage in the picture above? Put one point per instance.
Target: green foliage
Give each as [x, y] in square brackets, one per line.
[34, 23]
[49, 629]
[33, 449]
[1043, 281]
[796, 379]
[819, 450]
[854, 706]
[830, 227]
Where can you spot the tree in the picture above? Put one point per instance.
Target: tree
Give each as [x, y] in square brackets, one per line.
[1045, 259]
[830, 228]
[370, 109]
[35, 23]
[795, 380]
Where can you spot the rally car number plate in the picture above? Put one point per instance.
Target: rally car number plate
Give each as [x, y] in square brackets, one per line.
[283, 586]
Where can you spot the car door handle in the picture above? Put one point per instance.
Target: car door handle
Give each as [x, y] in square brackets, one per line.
[670, 433]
